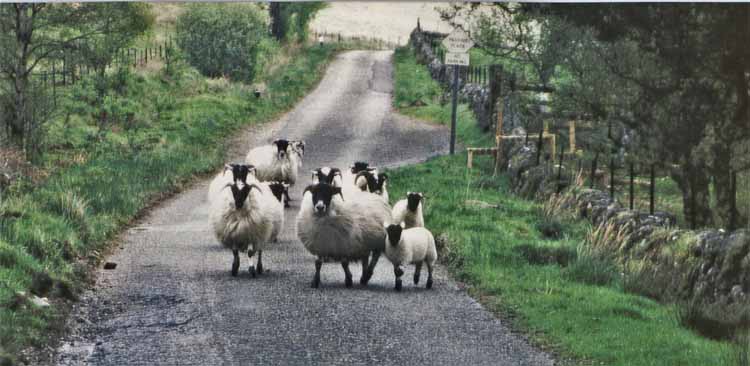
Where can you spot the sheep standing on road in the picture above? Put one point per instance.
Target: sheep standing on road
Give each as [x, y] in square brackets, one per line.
[410, 246]
[409, 210]
[334, 229]
[244, 216]
[275, 162]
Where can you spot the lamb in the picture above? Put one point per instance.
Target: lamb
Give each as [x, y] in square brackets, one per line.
[410, 246]
[274, 162]
[333, 229]
[409, 210]
[243, 219]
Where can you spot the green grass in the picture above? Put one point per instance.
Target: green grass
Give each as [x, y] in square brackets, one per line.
[576, 306]
[100, 181]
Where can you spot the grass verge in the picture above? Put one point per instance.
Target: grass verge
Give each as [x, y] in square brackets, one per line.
[50, 232]
[550, 285]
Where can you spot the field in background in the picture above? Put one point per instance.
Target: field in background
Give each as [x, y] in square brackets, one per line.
[530, 267]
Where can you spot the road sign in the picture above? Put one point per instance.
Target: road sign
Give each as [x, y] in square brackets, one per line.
[458, 41]
[457, 58]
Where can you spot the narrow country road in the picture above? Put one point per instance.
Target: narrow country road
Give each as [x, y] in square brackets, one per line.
[172, 301]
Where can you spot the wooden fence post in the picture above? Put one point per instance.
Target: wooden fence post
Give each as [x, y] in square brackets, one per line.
[559, 170]
[572, 136]
[632, 185]
[652, 189]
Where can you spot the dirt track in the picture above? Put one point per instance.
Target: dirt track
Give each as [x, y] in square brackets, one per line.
[172, 301]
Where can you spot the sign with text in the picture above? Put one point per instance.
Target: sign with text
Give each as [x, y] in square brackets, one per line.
[457, 58]
[458, 41]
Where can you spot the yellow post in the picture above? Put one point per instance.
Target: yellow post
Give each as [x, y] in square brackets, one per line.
[572, 136]
[499, 135]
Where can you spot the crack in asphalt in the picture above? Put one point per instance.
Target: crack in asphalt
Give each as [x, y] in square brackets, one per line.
[172, 301]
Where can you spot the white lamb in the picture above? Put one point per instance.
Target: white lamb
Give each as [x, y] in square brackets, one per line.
[245, 216]
[274, 162]
[333, 229]
[410, 246]
[409, 210]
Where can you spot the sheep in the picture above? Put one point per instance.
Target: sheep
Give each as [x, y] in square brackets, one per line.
[352, 176]
[334, 229]
[277, 190]
[298, 149]
[409, 210]
[274, 162]
[280, 190]
[410, 246]
[243, 219]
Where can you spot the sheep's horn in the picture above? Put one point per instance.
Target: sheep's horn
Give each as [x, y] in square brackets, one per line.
[253, 185]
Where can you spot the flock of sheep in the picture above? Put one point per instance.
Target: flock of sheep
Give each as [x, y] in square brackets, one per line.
[344, 216]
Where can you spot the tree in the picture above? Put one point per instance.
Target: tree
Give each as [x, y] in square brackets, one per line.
[32, 35]
[700, 92]
[289, 20]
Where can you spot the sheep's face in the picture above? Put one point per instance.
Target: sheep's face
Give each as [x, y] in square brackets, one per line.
[278, 189]
[413, 199]
[299, 147]
[282, 148]
[240, 171]
[394, 233]
[325, 175]
[381, 185]
[322, 194]
[370, 178]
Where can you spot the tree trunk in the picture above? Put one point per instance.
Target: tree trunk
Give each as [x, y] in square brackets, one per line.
[693, 180]
[726, 201]
[23, 29]
[277, 23]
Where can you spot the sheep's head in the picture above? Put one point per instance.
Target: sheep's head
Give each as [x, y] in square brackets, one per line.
[370, 178]
[282, 148]
[394, 232]
[381, 185]
[279, 189]
[322, 194]
[298, 146]
[413, 199]
[240, 171]
[325, 175]
[240, 191]
[361, 166]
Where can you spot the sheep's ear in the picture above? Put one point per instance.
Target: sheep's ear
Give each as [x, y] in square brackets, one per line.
[309, 188]
[403, 225]
[228, 167]
[251, 170]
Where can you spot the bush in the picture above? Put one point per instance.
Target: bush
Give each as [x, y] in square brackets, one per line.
[222, 40]
[544, 255]
[592, 269]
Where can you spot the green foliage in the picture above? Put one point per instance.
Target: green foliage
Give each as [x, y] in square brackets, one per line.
[514, 269]
[222, 39]
[101, 181]
[290, 20]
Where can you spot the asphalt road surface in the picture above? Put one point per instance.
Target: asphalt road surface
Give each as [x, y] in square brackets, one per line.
[171, 299]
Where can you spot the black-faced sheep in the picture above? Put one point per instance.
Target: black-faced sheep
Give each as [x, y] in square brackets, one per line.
[410, 246]
[274, 162]
[334, 229]
[409, 210]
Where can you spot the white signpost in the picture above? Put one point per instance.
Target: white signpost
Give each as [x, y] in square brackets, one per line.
[458, 44]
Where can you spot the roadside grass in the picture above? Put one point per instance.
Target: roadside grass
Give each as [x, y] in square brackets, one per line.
[51, 231]
[557, 290]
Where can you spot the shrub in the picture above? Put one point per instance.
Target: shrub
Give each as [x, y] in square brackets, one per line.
[222, 40]
[543, 255]
[550, 228]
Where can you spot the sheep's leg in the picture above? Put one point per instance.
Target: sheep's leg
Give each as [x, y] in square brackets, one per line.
[371, 267]
[417, 270]
[363, 280]
[251, 269]
[236, 262]
[347, 274]
[287, 199]
[398, 272]
[429, 275]
[259, 266]
[316, 279]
